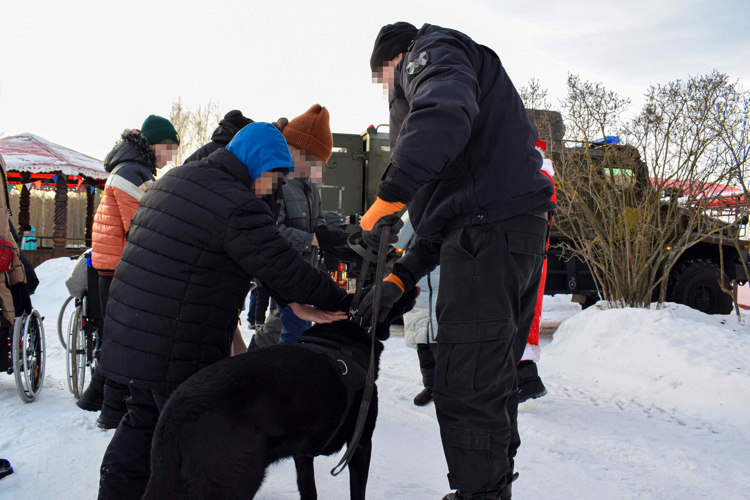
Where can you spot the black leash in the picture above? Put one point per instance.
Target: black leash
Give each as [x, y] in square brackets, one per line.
[370, 384]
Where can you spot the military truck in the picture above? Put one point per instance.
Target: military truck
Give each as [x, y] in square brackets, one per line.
[350, 184]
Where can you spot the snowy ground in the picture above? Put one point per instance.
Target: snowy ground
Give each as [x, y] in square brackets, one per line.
[641, 405]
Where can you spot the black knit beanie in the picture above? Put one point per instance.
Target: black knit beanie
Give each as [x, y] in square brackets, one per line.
[391, 41]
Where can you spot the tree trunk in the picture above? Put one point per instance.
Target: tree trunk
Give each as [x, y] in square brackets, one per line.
[60, 234]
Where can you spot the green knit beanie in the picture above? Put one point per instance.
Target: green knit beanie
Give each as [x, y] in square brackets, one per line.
[157, 129]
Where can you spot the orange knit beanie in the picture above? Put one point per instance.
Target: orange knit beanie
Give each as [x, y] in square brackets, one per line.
[311, 132]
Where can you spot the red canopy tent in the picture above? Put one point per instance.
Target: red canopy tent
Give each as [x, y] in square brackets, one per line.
[31, 159]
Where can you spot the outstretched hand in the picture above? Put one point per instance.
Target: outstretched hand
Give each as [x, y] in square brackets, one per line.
[310, 313]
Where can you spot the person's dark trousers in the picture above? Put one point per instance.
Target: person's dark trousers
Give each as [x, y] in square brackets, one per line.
[126, 466]
[105, 281]
[261, 304]
[489, 279]
[426, 354]
[92, 397]
[116, 393]
[251, 306]
[293, 326]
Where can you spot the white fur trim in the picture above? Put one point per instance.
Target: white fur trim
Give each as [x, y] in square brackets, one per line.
[532, 353]
[547, 167]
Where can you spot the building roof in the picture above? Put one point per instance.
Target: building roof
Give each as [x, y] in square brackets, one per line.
[31, 153]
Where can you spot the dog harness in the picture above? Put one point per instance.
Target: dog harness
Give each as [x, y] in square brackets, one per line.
[353, 374]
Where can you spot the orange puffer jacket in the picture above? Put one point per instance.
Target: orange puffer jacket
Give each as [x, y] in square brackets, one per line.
[131, 167]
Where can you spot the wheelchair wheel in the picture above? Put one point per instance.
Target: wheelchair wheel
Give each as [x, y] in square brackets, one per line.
[29, 353]
[75, 359]
[62, 320]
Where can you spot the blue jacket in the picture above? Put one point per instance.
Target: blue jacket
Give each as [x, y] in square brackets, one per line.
[464, 148]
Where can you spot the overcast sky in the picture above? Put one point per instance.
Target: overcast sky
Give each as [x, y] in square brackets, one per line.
[77, 73]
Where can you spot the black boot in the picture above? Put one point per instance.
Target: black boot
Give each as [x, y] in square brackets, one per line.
[423, 398]
[530, 386]
[504, 495]
[507, 492]
[114, 407]
[93, 397]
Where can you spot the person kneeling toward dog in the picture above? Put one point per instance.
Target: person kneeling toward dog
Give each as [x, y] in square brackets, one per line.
[200, 235]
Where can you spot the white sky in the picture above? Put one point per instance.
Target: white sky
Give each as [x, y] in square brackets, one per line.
[77, 73]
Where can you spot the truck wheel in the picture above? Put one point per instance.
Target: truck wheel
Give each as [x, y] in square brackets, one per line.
[697, 286]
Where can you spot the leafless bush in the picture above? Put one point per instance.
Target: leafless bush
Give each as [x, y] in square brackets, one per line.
[631, 210]
[194, 126]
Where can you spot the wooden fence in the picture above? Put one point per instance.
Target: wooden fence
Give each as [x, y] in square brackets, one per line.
[42, 212]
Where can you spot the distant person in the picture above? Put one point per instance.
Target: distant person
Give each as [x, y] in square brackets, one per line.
[28, 241]
[13, 279]
[420, 324]
[530, 385]
[228, 127]
[132, 165]
[301, 217]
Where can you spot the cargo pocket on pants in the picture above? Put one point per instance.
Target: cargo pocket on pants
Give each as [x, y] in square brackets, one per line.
[469, 459]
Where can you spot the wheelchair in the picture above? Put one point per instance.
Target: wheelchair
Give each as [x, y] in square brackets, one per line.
[26, 348]
[29, 353]
[83, 344]
[66, 311]
[83, 334]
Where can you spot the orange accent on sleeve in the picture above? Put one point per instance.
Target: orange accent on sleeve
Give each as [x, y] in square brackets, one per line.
[127, 205]
[396, 281]
[379, 209]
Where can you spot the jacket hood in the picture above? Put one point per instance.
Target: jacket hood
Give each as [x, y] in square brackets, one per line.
[232, 123]
[132, 147]
[261, 148]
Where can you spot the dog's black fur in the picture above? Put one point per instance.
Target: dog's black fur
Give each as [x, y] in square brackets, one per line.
[224, 426]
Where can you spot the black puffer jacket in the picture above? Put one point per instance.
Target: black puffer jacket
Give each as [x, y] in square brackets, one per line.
[197, 240]
[232, 123]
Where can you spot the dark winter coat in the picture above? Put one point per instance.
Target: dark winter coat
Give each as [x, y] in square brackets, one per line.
[464, 151]
[232, 123]
[197, 240]
[301, 214]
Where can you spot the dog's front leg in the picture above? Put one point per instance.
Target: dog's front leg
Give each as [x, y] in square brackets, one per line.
[359, 469]
[306, 478]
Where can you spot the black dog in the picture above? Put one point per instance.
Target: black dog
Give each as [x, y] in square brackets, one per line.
[224, 426]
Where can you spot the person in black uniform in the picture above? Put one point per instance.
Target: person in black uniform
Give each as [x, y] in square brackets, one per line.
[463, 161]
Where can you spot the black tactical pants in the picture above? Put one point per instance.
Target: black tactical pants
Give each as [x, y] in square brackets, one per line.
[126, 466]
[489, 279]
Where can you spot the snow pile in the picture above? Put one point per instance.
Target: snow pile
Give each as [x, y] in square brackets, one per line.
[675, 359]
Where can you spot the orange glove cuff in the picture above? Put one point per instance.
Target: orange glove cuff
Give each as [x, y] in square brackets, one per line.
[396, 281]
[378, 210]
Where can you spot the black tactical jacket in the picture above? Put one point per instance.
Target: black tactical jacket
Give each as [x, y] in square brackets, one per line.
[464, 146]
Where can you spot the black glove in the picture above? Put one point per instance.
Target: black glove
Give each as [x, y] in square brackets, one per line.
[402, 306]
[391, 292]
[372, 237]
[329, 240]
[380, 214]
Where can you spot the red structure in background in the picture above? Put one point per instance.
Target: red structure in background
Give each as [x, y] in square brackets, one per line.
[32, 160]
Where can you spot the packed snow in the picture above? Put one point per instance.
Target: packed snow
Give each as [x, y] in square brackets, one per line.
[642, 404]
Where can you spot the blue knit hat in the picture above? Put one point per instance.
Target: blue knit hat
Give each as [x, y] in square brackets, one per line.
[261, 148]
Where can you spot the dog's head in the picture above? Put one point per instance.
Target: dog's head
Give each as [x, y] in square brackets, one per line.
[349, 334]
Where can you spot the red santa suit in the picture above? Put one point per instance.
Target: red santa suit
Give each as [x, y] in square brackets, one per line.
[532, 351]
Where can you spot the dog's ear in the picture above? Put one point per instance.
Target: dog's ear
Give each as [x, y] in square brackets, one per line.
[402, 306]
